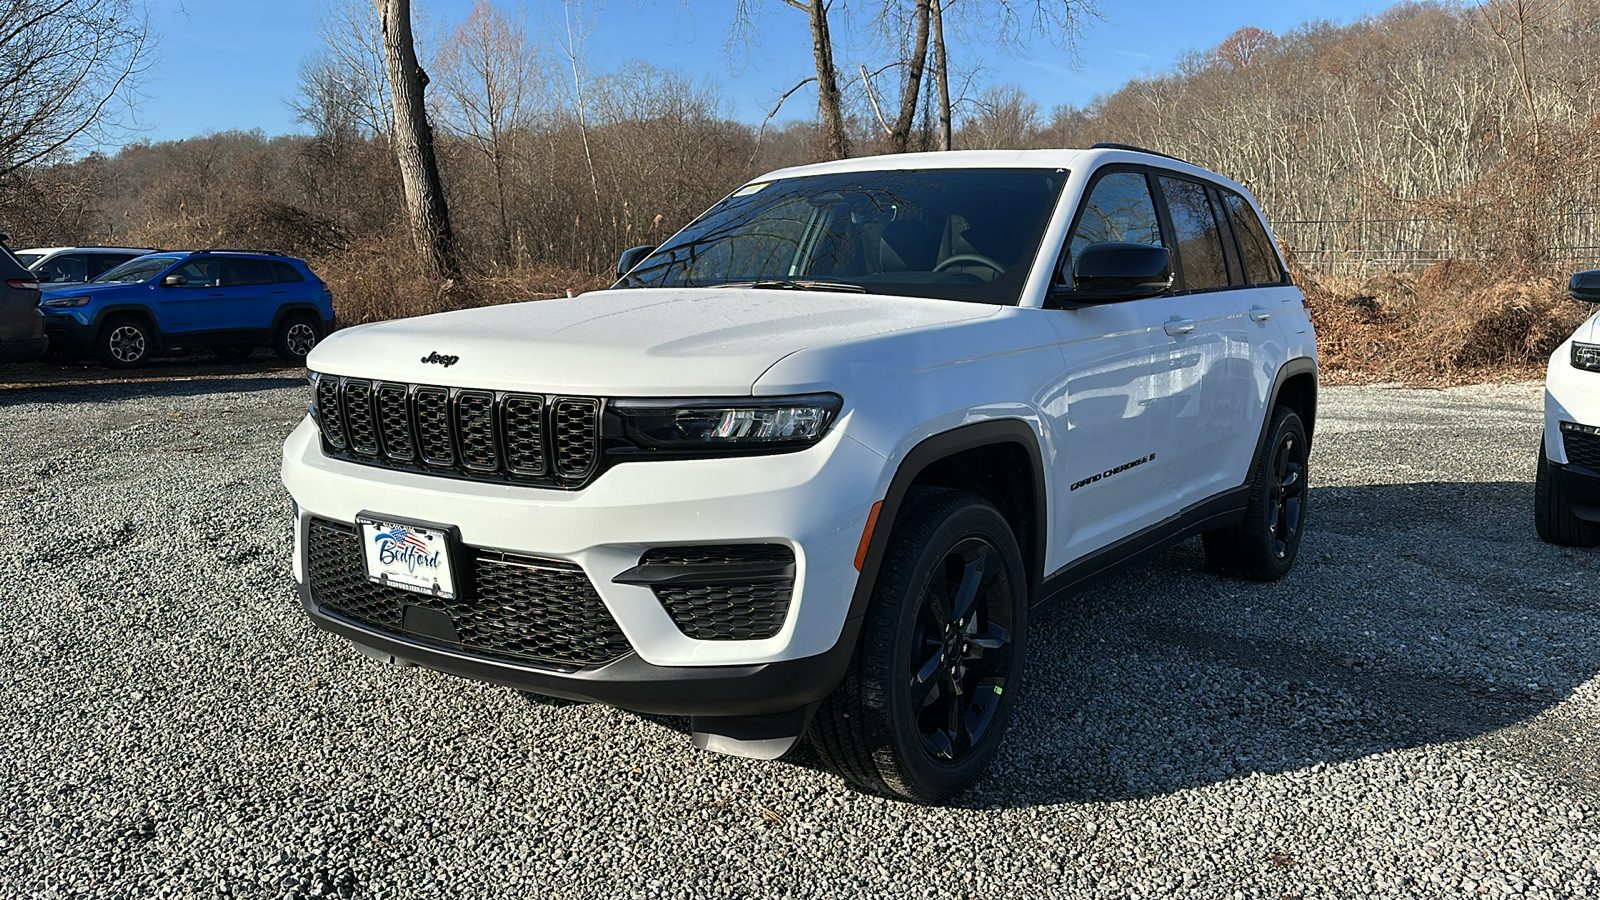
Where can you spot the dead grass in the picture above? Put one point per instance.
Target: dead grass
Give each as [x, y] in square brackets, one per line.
[1452, 323]
[382, 280]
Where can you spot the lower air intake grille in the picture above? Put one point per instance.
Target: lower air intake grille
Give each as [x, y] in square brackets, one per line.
[741, 610]
[1583, 449]
[520, 609]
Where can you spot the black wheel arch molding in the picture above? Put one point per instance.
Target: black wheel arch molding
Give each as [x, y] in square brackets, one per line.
[932, 450]
[297, 309]
[1301, 397]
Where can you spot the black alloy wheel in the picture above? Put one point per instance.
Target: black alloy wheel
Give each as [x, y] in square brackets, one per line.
[939, 662]
[1288, 490]
[966, 653]
[1263, 547]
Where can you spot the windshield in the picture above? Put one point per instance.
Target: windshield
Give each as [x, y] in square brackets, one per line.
[136, 270]
[28, 259]
[954, 234]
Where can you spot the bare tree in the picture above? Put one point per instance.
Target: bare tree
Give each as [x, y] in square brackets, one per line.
[834, 143]
[344, 84]
[69, 71]
[413, 144]
[1513, 23]
[489, 74]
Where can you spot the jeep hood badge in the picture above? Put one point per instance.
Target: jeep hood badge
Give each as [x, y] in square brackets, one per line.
[446, 361]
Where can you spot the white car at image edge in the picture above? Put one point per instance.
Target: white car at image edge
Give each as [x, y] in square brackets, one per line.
[1567, 490]
[811, 466]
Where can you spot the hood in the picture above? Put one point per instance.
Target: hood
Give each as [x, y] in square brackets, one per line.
[83, 288]
[642, 342]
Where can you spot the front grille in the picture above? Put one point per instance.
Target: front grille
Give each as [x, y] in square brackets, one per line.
[483, 435]
[740, 611]
[511, 607]
[1583, 449]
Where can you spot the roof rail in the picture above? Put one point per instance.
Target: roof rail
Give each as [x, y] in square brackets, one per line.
[1110, 145]
[240, 250]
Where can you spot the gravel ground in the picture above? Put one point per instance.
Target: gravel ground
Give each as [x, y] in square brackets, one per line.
[1408, 715]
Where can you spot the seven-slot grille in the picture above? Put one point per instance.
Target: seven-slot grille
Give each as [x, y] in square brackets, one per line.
[520, 608]
[463, 432]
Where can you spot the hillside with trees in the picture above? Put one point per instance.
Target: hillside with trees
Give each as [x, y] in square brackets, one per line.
[1432, 171]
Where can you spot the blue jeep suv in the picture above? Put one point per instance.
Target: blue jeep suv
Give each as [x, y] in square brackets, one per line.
[230, 301]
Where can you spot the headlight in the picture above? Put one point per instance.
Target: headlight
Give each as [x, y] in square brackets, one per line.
[754, 424]
[1586, 356]
[65, 302]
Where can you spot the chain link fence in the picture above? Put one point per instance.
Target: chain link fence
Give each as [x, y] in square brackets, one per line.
[1363, 245]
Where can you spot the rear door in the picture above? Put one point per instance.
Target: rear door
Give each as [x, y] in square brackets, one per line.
[251, 291]
[1206, 389]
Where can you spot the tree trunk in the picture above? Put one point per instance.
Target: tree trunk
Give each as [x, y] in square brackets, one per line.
[413, 144]
[900, 135]
[834, 143]
[941, 71]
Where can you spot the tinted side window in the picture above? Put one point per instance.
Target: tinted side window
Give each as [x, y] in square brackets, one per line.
[1260, 260]
[1195, 229]
[1119, 208]
[100, 263]
[201, 273]
[1230, 245]
[67, 267]
[247, 271]
[285, 273]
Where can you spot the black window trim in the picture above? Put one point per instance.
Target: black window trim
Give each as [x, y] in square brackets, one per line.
[1077, 216]
[1277, 258]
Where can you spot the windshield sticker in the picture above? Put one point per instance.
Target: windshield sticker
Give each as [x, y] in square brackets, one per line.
[749, 189]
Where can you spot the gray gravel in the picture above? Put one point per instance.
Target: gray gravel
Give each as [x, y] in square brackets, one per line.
[1408, 715]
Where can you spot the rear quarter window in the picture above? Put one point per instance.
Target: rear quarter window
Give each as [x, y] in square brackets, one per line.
[1260, 259]
[285, 273]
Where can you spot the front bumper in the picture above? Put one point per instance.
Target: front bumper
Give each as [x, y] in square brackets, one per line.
[23, 350]
[815, 501]
[67, 334]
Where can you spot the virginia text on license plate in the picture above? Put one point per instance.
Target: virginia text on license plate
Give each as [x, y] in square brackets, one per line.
[412, 557]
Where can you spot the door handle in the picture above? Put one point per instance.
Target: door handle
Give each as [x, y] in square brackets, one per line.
[1176, 326]
[1260, 314]
[218, 293]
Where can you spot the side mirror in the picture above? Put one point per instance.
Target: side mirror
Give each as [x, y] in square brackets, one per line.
[174, 280]
[1585, 286]
[631, 257]
[1116, 271]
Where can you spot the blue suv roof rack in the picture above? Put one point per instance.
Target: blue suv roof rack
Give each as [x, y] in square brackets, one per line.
[240, 250]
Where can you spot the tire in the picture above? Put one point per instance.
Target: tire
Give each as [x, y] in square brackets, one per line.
[1263, 547]
[295, 338]
[125, 342]
[926, 698]
[232, 354]
[1552, 514]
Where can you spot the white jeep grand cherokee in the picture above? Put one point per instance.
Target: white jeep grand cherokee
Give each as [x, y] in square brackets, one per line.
[813, 464]
[1567, 489]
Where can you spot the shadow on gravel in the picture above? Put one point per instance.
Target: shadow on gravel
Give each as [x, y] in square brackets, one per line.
[110, 390]
[1417, 614]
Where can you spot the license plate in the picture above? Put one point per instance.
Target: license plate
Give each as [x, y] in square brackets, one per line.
[408, 556]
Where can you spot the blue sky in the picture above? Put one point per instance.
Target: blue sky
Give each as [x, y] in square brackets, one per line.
[229, 64]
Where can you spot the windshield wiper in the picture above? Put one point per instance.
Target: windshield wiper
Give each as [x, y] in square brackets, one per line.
[777, 284]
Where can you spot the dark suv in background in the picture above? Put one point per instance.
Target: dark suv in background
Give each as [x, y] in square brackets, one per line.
[229, 301]
[21, 327]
